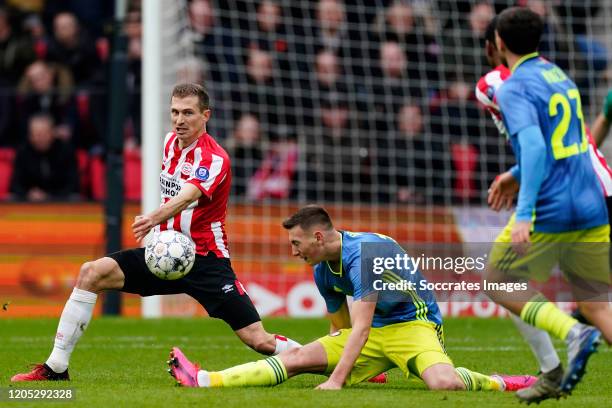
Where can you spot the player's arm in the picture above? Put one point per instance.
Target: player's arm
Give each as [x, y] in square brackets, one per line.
[601, 126]
[340, 319]
[533, 162]
[520, 116]
[362, 312]
[143, 223]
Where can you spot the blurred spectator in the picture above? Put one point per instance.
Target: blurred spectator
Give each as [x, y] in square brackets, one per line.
[267, 98]
[328, 81]
[16, 51]
[34, 26]
[274, 178]
[328, 72]
[462, 45]
[71, 45]
[45, 167]
[93, 14]
[271, 34]
[48, 88]
[213, 42]
[392, 84]
[455, 119]
[244, 149]
[330, 30]
[557, 45]
[401, 23]
[410, 161]
[133, 31]
[337, 159]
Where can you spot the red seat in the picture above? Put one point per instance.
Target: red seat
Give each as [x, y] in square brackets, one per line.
[84, 173]
[98, 178]
[7, 155]
[132, 175]
[465, 160]
[83, 105]
[132, 179]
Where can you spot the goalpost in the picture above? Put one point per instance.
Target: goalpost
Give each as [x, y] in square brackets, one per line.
[166, 48]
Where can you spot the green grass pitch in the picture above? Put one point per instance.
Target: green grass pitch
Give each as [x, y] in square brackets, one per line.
[121, 363]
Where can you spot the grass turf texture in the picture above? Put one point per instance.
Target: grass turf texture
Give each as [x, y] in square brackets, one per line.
[121, 362]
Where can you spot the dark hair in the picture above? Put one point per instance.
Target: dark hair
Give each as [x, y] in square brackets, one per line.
[191, 89]
[307, 217]
[520, 29]
[490, 31]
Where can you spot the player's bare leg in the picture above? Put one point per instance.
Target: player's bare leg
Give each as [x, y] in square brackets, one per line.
[93, 278]
[257, 338]
[599, 314]
[442, 376]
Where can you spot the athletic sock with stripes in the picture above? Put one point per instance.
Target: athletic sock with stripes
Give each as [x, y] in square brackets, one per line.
[541, 313]
[478, 382]
[268, 372]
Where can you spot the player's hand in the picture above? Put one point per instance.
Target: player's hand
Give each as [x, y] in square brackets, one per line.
[329, 385]
[141, 226]
[502, 192]
[520, 237]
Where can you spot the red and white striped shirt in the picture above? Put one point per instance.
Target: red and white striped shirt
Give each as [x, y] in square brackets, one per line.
[485, 93]
[206, 165]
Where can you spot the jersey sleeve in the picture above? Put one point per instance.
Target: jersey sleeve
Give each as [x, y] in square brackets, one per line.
[209, 174]
[518, 111]
[333, 299]
[484, 93]
[362, 284]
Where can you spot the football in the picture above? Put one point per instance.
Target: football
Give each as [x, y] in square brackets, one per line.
[170, 255]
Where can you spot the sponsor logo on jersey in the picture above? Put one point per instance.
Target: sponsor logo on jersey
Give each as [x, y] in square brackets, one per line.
[227, 288]
[169, 186]
[186, 169]
[201, 173]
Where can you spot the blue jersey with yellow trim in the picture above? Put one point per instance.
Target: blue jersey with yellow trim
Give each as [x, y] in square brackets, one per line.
[334, 286]
[539, 93]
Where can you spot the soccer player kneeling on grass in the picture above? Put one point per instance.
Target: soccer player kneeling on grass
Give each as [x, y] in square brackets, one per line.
[195, 185]
[401, 330]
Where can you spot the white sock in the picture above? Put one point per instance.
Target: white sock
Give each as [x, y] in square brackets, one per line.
[203, 379]
[284, 343]
[540, 344]
[75, 318]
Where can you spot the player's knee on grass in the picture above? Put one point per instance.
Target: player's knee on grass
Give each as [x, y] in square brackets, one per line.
[442, 377]
[100, 275]
[310, 358]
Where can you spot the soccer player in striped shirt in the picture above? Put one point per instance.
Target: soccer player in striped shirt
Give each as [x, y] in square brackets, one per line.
[396, 328]
[195, 184]
[560, 200]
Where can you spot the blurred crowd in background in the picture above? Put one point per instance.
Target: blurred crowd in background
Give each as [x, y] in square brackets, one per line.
[327, 100]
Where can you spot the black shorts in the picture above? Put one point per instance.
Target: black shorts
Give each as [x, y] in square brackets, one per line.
[211, 281]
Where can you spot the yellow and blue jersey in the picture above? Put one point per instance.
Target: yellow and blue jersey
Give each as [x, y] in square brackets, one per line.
[539, 93]
[351, 280]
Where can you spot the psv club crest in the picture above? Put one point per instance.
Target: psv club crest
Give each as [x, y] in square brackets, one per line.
[186, 169]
